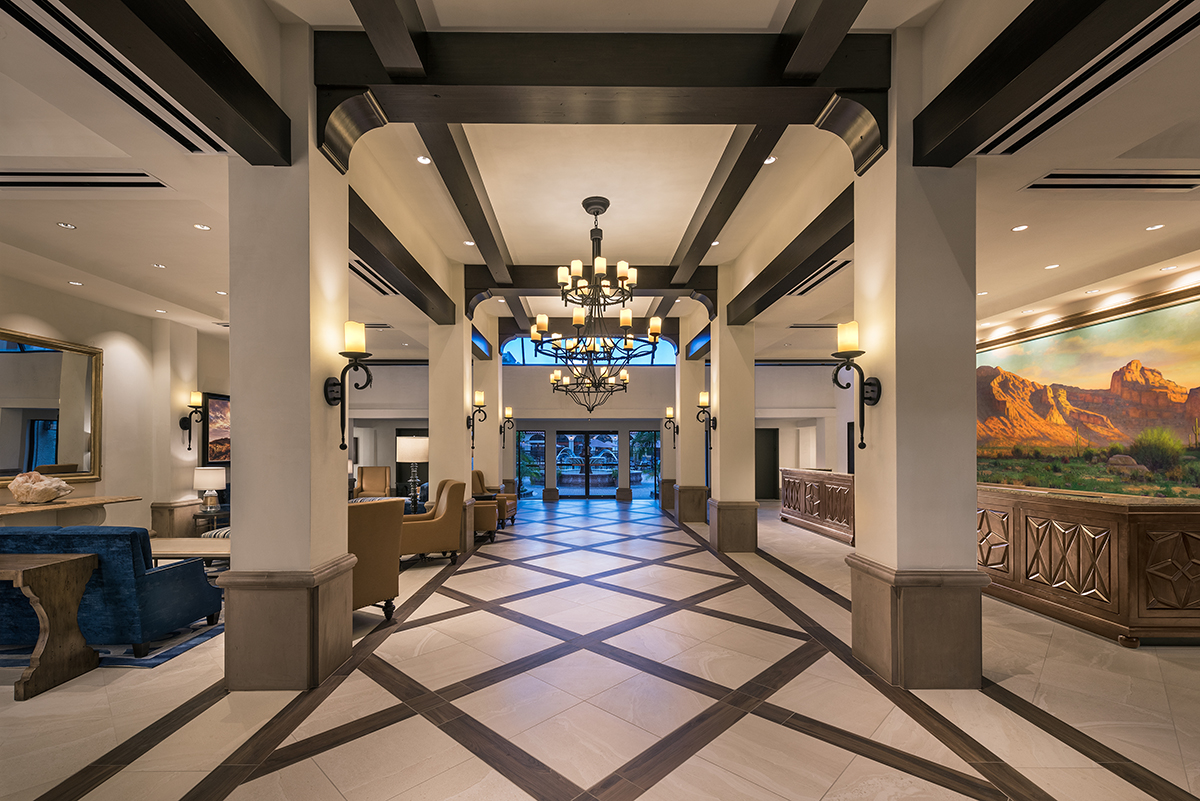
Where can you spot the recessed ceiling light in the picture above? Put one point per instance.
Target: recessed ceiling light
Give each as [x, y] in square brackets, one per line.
[715, 243]
[406, 344]
[769, 160]
[160, 266]
[468, 243]
[787, 344]
[1020, 228]
[980, 293]
[501, 300]
[219, 292]
[75, 283]
[986, 325]
[1168, 269]
[424, 160]
[1092, 292]
[68, 226]
[161, 311]
[202, 227]
[678, 299]
[1028, 311]
[1052, 266]
[1154, 227]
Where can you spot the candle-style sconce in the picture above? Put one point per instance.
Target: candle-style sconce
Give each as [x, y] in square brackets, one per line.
[671, 425]
[705, 416]
[869, 389]
[506, 425]
[196, 404]
[477, 414]
[355, 352]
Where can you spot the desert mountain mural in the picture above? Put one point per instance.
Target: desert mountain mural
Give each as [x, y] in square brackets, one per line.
[1012, 410]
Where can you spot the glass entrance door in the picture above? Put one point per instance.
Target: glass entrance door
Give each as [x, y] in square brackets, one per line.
[586, 464]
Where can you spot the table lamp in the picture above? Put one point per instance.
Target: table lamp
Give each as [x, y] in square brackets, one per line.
[413, 450]
[209, 479]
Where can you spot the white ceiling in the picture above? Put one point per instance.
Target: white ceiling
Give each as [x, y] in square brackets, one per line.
[56, 118]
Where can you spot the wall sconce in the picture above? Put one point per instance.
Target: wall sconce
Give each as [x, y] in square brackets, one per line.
[196, 404]
[706, 417]
[869, 389]
[479, 413]
[356, 351]
[671, 425]
[507, 424]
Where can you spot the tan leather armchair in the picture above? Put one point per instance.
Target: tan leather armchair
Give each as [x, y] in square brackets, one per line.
[506, 502]
[373, 535]
[440, 533]
[374, 482]
[432, 504]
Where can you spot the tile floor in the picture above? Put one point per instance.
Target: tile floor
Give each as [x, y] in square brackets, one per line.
[598, 651]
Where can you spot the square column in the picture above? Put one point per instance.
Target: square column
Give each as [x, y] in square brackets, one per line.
[732, 510]
[691, 488]
[287, 598]
[450, 396]
[915, 585]
[486, 377]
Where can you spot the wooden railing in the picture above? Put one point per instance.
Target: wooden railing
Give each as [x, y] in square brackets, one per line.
[819, 501]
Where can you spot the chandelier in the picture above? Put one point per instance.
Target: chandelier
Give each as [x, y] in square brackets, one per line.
[594, 361]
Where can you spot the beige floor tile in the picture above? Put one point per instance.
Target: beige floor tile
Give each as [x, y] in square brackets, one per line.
[867, 779]
[435, 605]
[127, 786]
[522, 577]
[722, 665]
[385, 763]
[214, 734]
[303, 781]
[850, 708]
[1106, 686]
[584, 594]
[513, 643]
[700, 780]
[356, 697]
[413, 642]
[703, 561]
[584, 743]
[676, 536]
[900, 731]
[1180, 666]
[756, 642]
[471, 781]
[683, 586]
[1081, 648]
[541, 606]
[583, 674]
[653, 643]
[472, 625]
[651, 703]
[783, 761]
[693, 624]
[644, 549]
[831, 668]
[747, 603]
[583, 619]
[625, 606]
[583, 564]
[485, 589]
[516, 704]
[516, 549]
[1084, 784]
[35, 752]
[446, 666]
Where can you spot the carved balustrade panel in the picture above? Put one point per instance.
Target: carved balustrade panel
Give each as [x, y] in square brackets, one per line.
[994, 536]
[1173, 570]
[1069, 556]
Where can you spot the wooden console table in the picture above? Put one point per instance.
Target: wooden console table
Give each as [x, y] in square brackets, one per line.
[53, 583]
[820, 501]
[63, 512]
[206, 548]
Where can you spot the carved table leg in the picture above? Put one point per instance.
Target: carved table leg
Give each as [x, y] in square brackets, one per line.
[61, 653]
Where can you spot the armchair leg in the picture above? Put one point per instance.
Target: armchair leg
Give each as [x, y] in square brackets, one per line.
[389, 608]
[454, 557]
[141, 649]
[213, 618]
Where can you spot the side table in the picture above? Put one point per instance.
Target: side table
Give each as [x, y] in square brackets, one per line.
[210, 519]
[53, 583]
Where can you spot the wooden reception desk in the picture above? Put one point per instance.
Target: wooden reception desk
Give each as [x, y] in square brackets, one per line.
[820, 501]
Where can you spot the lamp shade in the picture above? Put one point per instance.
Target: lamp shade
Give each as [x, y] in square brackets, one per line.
[356, 337]
[847, 336]
[703, 403]
[412, 449]
[196, 400]
[209, 478]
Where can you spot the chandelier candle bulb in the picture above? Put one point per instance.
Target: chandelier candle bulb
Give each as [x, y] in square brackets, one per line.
[576, 268]
[600, 265]
[625, 376]
[626, 318]
[847, 335]
[622, 270]
[564, 276]
[566, 380]
[703, 404]
[656, 326]
[543, 323]
[631, 281]
[356, 337]
[577, 316]
[534, 334]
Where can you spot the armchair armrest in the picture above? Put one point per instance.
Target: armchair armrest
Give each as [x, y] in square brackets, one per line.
[172, 592]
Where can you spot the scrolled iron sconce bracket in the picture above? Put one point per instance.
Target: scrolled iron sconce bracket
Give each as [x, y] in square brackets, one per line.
[335, 388]
[869, 389]
[673, 427]
[185, 422]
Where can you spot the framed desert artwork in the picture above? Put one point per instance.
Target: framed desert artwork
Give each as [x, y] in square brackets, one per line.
[1108, 407]
[214, 439]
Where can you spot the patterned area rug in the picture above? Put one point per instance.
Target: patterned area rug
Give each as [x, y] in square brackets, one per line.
[179, 641]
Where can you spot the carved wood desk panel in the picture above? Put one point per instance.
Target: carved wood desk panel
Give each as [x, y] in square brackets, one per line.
[819, 501]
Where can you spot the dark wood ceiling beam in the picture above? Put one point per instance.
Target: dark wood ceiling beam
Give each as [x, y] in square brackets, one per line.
[1048, 43]
[391, 37]
[451, 154]
[653, 279]
[509, 329]
[373, 242]
[736, 170]
[827, 28]
[821, 240]
[172, 46]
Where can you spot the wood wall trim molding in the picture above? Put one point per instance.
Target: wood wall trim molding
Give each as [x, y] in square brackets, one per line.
[348, 114]
[287, 579]
[904, 577]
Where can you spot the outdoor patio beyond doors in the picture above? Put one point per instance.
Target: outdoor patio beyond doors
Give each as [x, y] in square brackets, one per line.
[586, 464]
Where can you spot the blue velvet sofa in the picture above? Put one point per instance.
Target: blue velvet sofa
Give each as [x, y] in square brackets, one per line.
[126, 601]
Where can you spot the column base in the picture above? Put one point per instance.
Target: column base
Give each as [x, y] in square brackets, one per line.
[287, 629]
[918, 629]
[624, 494]
[666, 495]
[689, 504]
[466, 533]
[733, 526]
[550, 495]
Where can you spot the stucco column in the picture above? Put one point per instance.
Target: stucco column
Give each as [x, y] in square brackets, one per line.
[732, 510]
[287, 600]
[450, 395]
[691, 488]
[174, 370]
[486, 377]
[915, 586]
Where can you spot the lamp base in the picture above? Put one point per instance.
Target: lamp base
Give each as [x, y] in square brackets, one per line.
[211, 503]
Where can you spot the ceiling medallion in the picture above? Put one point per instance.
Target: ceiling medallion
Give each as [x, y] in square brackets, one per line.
[595, 361]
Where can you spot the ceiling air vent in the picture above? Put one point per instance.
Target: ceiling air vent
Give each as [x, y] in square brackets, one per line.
[813, 325]
[372, 278]
[815, 279]
[1123, 180]
[377, 326]
[218, 322]
[61, 179]
[1161, 33]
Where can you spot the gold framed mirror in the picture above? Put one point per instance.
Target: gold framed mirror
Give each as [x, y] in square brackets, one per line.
[50, 408]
